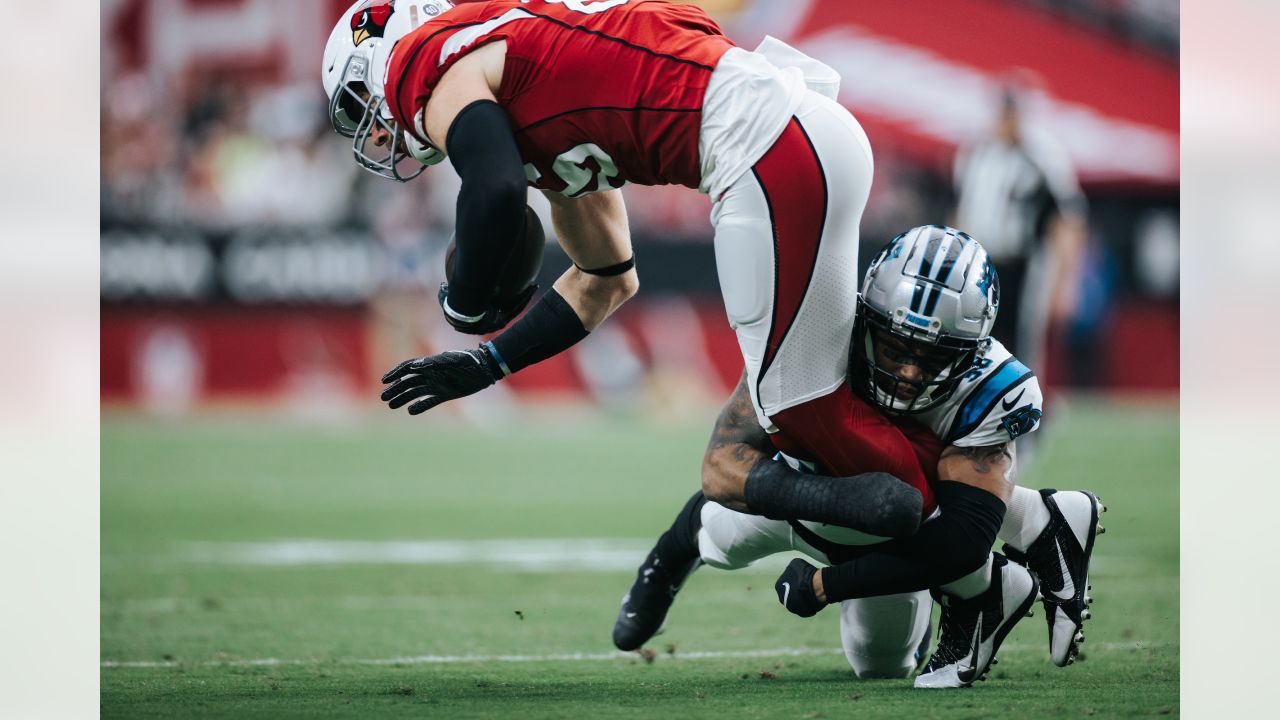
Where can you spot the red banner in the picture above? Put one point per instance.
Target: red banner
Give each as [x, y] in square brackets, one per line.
[924, 75]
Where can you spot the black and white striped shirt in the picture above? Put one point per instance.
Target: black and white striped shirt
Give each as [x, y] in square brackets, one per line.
[1008, 192]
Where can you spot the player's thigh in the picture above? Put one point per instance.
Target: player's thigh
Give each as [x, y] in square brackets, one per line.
[881, 635]
[787, 252]
[730, 540]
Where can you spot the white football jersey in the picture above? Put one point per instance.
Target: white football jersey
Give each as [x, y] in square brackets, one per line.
[997, 401]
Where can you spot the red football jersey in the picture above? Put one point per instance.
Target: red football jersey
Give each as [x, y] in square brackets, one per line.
[599, 92]
[844, 435]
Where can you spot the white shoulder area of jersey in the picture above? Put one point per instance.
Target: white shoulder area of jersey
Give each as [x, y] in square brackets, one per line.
[996, 402]
[467, 36]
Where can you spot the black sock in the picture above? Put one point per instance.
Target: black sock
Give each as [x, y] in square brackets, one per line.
[677, 549]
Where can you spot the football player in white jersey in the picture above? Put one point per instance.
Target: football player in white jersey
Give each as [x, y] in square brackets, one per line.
[921, 350]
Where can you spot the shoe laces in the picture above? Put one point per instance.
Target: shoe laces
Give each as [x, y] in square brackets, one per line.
[956, 629]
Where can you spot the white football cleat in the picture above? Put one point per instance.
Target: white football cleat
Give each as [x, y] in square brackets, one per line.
[971, 630]
[1060, 558]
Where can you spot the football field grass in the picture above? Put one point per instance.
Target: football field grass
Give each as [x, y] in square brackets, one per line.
[254, 567]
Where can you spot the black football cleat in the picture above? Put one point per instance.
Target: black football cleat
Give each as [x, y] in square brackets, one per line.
[644, 607]
[1060, 558]
[970, 631]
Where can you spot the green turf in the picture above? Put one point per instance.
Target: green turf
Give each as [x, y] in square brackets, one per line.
[334, 629]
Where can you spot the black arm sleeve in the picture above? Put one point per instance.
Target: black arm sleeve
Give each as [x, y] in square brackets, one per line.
[490, 204]
[876, 503]
[945, 549]
[548, 329]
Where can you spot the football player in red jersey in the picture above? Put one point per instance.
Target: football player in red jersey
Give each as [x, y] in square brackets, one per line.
[578, 97]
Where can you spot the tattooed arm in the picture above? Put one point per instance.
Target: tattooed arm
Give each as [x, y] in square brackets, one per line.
[989, 467]
[739, 472]
[737, 444]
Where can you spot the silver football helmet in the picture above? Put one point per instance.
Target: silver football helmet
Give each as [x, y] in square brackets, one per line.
[353, 70]
[924, 318]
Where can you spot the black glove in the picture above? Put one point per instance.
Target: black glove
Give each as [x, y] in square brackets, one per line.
[493, 319]
[447, 376]
[795, 589]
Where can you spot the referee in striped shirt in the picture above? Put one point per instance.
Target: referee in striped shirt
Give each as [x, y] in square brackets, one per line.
[1017, 193]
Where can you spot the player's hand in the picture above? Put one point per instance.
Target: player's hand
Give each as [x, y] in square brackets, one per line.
[493, 319]
[795, 589]
[437, 378]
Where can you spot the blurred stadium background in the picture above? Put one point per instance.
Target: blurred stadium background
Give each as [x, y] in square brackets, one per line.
[276, 543]
[246, 260]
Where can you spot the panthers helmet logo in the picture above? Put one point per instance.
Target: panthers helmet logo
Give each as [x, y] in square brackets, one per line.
[371, 20]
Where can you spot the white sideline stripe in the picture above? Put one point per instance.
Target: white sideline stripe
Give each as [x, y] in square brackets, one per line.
[540, 555]
[453, 659]
[532, 555]
[564, 657]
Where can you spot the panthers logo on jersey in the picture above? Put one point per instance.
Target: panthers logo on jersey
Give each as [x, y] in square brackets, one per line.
[1021, 421]
[998, 400]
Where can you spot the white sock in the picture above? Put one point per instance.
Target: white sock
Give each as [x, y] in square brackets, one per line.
[1025, 519]
[971, 585]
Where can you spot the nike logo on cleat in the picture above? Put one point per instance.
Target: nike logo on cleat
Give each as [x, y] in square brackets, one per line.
[786, 593]
[1068, 591]
[630, 615]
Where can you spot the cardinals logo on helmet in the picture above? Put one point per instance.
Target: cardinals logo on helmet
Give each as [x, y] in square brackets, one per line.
[371, 20]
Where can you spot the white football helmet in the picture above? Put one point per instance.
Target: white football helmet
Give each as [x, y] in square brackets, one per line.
[354, 71]
[929, 299]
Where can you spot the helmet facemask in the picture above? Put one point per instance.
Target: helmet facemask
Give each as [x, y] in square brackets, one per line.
[940, 361]
[357, 113]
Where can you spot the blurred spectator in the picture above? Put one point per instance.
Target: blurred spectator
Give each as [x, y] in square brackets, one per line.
[1018, 195]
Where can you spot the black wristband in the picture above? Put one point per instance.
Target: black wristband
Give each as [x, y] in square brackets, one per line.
[875, 503]
[491, 362]
[549, 328]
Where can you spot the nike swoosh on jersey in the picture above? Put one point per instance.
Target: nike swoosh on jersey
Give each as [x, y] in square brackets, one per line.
[1009, 405]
